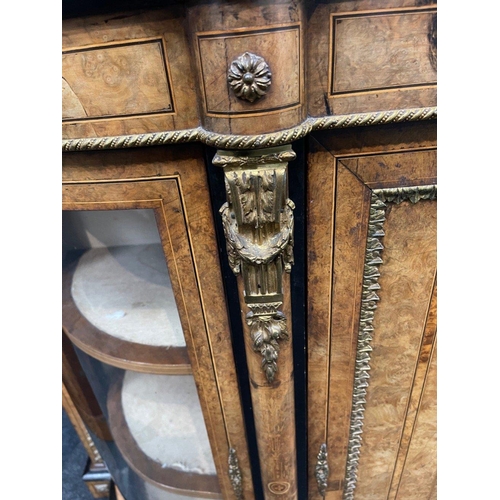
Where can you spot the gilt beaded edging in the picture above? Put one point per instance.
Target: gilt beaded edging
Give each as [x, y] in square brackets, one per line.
[225, 141]
[322, 470]
[235, 474]
[373, 258]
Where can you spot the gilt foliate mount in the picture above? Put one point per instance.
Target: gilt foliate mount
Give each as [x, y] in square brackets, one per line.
[258, 226]
[235, 474]
[267, 327]
[249, 77]
[322, 470]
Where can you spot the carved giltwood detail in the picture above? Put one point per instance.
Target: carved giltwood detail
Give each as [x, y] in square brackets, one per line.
[235, 474]
[258, 225]
[322, 470]
[373, 258]
[81, 428]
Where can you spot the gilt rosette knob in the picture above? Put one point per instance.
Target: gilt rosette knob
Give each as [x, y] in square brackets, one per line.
[249, 76]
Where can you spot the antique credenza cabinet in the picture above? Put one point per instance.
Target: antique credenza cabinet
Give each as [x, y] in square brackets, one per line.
[249, 261]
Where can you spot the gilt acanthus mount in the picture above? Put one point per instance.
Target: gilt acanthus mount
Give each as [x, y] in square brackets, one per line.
[258, 226]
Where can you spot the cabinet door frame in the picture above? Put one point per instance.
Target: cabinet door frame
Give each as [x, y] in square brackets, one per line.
[172, 182]
[333, 398]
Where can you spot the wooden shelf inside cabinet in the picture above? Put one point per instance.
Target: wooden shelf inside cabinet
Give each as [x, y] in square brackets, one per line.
[153, 418]
[110, 349]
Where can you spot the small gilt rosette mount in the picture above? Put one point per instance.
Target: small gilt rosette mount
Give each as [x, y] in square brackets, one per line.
[249, 76]
[258, 225]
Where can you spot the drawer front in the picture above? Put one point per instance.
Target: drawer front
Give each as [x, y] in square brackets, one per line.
[382, 51]
[120, 80]
[371, 57]
[127, 74]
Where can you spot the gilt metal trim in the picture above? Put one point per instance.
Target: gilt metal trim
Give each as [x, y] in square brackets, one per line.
[235, 474]
[258, 224]
[373, 259]
[249, 76]
[272, 139]
[322, 470]
[267, 327]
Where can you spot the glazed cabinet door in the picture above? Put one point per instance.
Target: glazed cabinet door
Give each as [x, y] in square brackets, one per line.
[144, 307]
[372, 314]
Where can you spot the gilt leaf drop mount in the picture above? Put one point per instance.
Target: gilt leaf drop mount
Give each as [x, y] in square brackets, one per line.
[249, 76]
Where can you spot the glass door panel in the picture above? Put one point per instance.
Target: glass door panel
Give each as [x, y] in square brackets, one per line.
[143, 295]
[120, 310]
[118, 302]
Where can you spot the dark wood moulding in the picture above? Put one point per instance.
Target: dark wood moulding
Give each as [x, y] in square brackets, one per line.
[179, 482]
[111, 350]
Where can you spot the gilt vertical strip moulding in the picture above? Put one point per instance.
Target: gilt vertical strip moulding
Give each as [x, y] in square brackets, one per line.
[372, 288]
[258, 226]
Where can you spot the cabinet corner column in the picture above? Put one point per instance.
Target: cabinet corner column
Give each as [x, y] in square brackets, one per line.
[258, 226]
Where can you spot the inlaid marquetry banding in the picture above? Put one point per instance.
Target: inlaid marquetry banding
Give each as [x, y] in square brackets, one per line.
[373, 259]
[224, 141]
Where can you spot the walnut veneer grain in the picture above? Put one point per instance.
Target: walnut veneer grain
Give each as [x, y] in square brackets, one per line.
[127, 73]
[222, 31]
[369, 55]
[418, 480]
[273, 408]
[342, 170]
[406, 284]
[172, 182]
[420, 378]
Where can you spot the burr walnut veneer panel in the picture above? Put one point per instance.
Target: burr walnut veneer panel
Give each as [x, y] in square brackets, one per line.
[217, 51]
[127, 73]
[371, 55]
[222, 31]
[116, 80]
[343, 173]
[406, 284]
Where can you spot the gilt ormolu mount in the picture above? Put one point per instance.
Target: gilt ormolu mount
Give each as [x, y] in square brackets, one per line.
[258, 224]
[249, 76]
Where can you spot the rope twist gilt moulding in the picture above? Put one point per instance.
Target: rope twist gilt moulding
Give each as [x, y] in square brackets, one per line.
[258, 225]
[249, 141]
